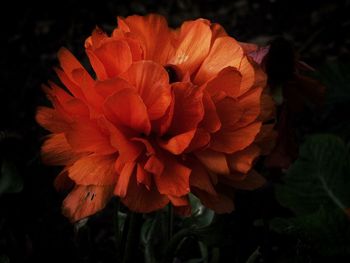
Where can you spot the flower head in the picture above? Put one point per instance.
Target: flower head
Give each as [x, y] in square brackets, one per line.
[170, 111]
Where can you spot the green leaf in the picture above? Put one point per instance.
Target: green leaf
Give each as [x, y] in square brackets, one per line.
[326, 231]
[201, 216]
[10, 180]
[320, 177]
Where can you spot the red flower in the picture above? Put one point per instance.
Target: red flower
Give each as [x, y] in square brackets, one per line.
[170, 112]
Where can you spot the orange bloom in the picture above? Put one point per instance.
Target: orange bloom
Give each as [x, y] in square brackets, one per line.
[170, 112]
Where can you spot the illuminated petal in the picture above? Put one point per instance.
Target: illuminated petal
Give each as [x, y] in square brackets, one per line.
[225, 52]
[153, 33]
[194, 43]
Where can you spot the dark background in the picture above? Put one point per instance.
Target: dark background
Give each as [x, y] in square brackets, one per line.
[32, 228]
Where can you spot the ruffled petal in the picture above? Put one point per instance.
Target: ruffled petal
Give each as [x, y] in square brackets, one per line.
[152, 83]
[231, 141]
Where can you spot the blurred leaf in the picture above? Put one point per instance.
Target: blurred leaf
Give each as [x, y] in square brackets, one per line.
[4, 259]
[10, 180]
[326, 231]
[316, 188]
[254, 256]
[320, 177]
[336, 77]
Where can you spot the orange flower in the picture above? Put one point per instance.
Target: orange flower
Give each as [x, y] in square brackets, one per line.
[170, 112]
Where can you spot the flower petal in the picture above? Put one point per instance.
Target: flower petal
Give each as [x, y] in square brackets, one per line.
[229, 112]
[242, 161]
[214, 161]
[193, 45]
[51, 120]
[228, 81]
[142, 200]
[220, 203]
[250, 105]
[154, 165]
[175, 177]
[128, 149]
[200, 179]
[57, 151]
[152, 83]
[189, 110]
[84, 201]
[252, 181]
[88, 137]
[231, 141]
[94, 170]
[225, 52]
[153, 33]
[115, 56]
[178, 144]
[122, 186]
[126, 108]
[210, 121]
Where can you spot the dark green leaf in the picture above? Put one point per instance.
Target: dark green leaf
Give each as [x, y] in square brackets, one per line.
[320, 177]
[10, 180]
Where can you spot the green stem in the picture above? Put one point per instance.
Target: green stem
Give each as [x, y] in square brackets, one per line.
[170, 221]
[133, 236]
[116, 227]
